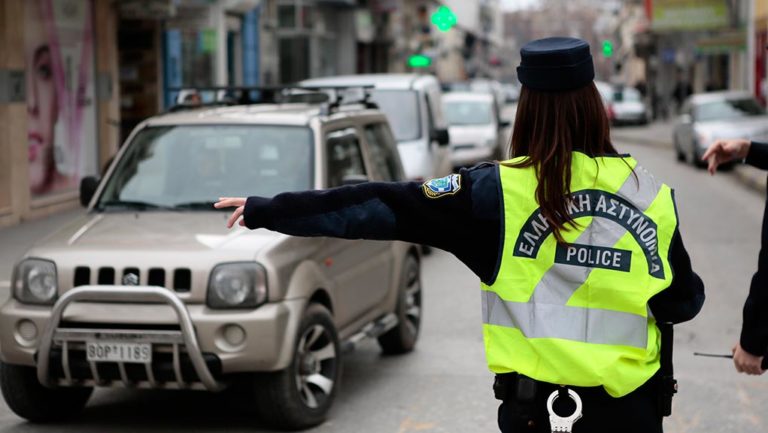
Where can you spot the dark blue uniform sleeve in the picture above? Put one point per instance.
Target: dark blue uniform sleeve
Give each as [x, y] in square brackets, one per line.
[465, 222]
[683, 299]
[754, 330]
[758, 155]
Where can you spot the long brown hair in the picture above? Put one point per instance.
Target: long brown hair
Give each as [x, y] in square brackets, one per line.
[548, 127]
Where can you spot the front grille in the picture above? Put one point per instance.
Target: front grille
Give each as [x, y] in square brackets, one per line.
[181, 280]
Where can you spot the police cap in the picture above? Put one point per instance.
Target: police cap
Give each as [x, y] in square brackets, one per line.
[555, 64]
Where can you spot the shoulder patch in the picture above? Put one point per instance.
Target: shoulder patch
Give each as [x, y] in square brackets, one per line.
[439, 187]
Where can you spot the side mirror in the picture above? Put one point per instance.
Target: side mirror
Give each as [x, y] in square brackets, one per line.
[88, 187]
[505, 124]
[440, 136]
[354, 179]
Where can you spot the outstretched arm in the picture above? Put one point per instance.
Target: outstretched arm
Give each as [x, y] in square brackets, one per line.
[462, 216]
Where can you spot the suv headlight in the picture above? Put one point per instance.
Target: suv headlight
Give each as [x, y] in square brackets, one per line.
[35, 282]
[237, 285]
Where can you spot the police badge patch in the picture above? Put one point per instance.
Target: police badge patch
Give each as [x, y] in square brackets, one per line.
[439, 187]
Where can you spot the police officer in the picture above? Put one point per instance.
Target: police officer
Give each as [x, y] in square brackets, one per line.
[753, 344]
[576, 246]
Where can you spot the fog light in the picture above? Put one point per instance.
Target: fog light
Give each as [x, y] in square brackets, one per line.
[230, 338]
[234, 335]
[26, 332]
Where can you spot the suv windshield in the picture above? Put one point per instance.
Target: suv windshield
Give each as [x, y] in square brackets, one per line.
[402, 110]
[190, 167]
[467, 113]
[728, 109]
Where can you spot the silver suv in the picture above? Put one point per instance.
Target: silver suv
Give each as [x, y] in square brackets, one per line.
[150, 290]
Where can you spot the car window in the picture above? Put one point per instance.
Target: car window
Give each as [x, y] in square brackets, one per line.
[344, 156]
[728, 109]
[468, 112]
[174, 165]
[382, 149]
[402, 110]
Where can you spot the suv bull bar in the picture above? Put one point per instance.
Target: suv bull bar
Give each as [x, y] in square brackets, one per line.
[134, 294]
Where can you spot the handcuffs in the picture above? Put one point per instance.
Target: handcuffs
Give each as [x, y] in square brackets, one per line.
[558, 423]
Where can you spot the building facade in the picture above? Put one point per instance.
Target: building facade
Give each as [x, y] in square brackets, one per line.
[58, 101]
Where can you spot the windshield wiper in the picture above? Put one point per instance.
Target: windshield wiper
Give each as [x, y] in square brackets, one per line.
[195, 205]
[131, 204]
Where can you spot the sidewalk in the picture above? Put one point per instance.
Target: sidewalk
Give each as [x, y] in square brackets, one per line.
[659, 134]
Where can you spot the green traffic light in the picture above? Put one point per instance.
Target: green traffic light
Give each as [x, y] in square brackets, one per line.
[607, 48]
[419, 61]
[444, 18]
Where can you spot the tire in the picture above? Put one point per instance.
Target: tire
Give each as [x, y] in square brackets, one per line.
[29, 399]
[288, 399]
[402, 338]
[679, 154]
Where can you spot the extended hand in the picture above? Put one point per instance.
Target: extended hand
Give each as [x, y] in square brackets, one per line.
[746, 362]
[237, 202]
[722, 151]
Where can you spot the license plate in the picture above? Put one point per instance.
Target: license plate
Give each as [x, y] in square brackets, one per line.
[119, 352]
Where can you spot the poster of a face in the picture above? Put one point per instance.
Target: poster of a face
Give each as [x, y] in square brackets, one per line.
[61, 131]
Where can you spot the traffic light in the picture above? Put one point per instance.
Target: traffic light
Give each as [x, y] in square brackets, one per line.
[444, 18]
[607, 48]
[419, 61]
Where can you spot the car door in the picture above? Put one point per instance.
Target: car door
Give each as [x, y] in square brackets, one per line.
[360, 269]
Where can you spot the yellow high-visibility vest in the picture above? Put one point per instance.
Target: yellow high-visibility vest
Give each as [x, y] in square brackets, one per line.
[577, 313]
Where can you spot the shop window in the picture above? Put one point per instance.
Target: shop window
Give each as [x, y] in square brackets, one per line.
[286, 16]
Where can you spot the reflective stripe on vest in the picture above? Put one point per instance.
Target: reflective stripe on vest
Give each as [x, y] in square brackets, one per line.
[587, 298]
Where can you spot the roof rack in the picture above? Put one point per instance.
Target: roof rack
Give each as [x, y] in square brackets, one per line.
[331, 98]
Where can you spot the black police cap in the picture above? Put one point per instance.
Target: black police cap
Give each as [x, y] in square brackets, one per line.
[555, 64]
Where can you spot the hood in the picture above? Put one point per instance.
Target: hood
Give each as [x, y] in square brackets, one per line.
[752, 127]
[191, 231]
[471, 134]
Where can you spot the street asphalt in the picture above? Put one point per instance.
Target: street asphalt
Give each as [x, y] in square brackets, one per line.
[444, 385]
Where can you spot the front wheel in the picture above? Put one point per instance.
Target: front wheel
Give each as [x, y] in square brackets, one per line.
[29, 399]
[300, 396]
[402, 338]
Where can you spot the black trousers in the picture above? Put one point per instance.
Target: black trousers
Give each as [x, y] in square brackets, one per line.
[636, 412]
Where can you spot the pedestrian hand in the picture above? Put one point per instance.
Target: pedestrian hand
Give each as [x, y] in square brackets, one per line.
[576, 246]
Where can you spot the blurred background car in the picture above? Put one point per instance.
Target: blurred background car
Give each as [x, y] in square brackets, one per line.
[412, 103]
[475, 128]
[624, 105]
[706, 117]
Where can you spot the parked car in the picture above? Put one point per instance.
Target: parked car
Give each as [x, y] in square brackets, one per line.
[706, 117]
[475, 127]
[412, 102]
[623, 105]
[149, 289]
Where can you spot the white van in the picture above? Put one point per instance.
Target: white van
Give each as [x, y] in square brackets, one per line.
[413, 106]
